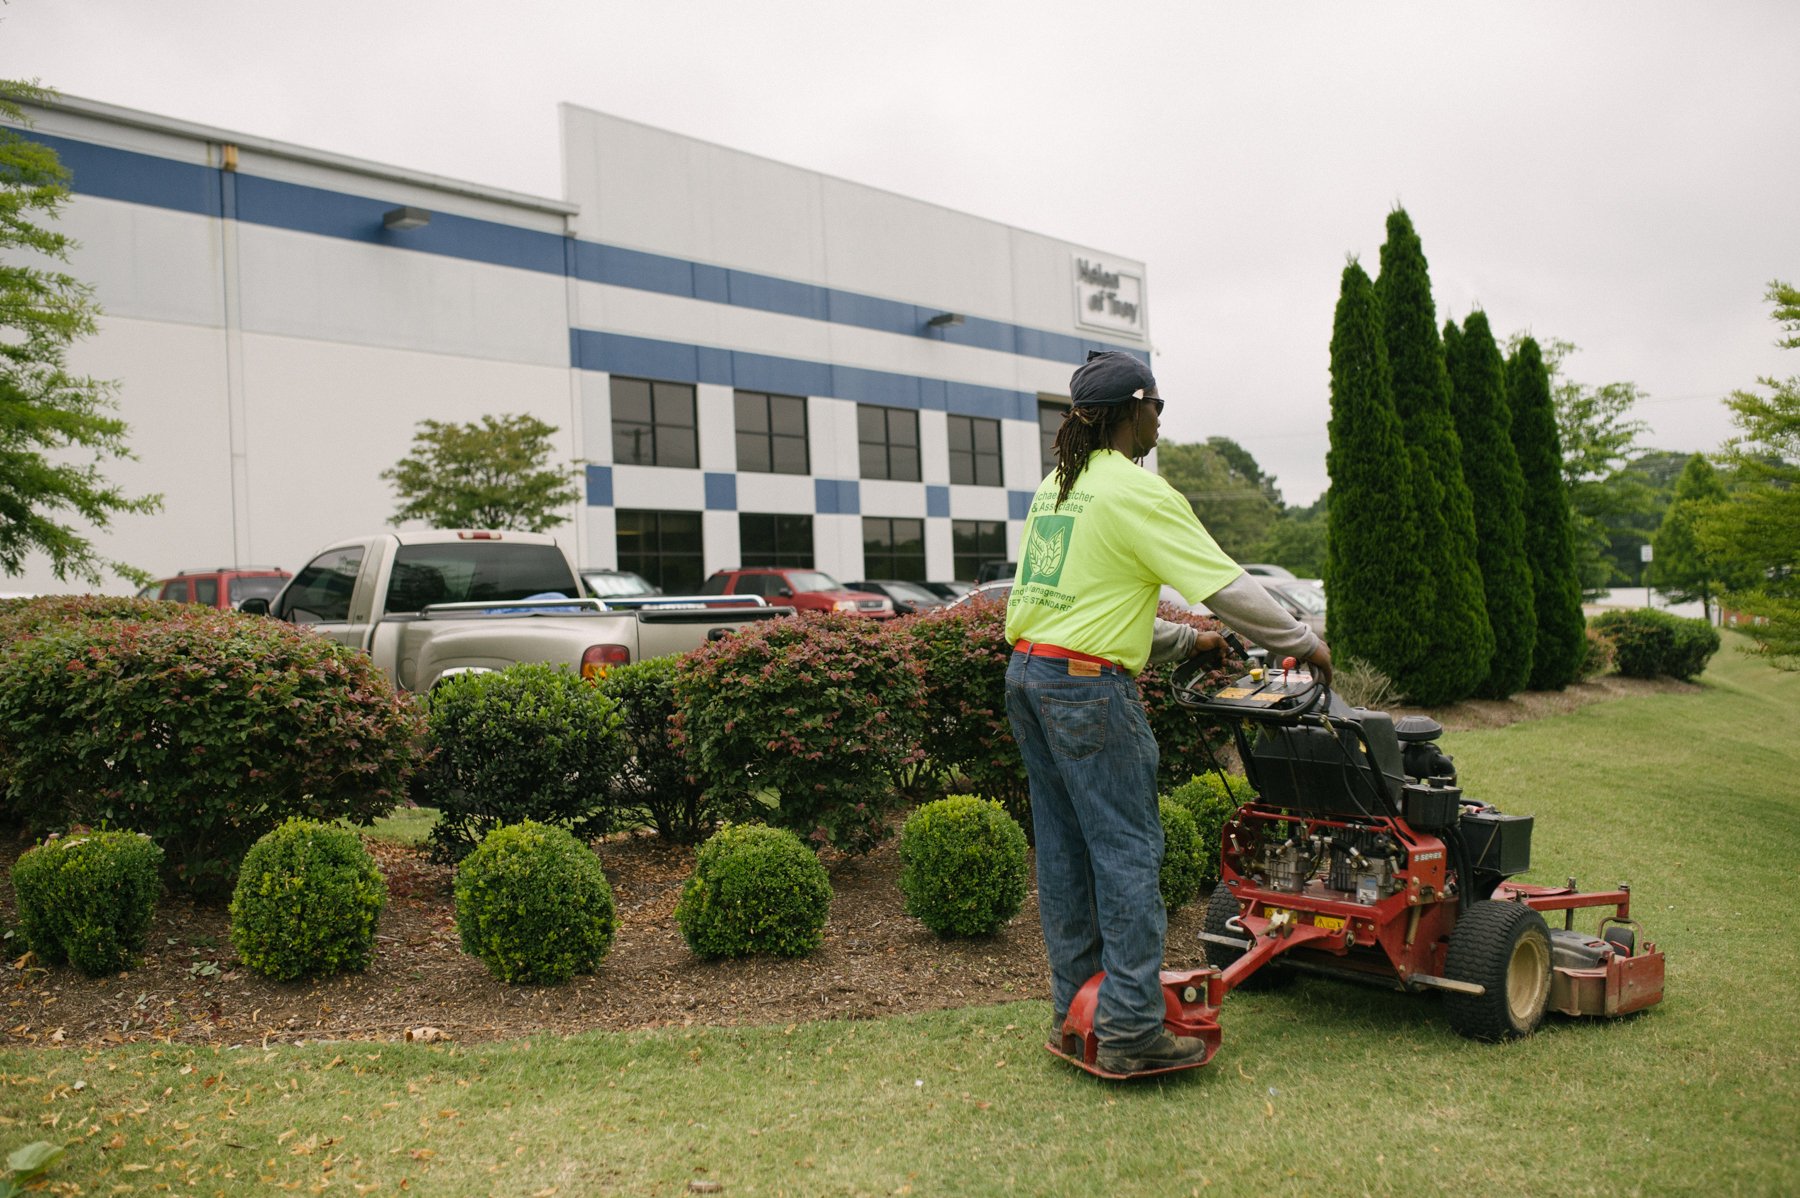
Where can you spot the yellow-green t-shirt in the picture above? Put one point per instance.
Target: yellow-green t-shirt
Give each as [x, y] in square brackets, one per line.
[1089, 573]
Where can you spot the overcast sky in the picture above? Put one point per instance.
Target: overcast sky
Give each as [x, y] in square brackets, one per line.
[1623, 176]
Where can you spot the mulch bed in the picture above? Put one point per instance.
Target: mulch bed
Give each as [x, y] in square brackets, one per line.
[876, 960]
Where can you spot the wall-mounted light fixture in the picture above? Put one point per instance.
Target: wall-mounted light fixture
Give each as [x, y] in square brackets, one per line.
[405, 218]
[943, 319]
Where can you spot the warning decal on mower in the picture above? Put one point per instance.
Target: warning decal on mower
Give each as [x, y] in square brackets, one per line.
[1330, 923]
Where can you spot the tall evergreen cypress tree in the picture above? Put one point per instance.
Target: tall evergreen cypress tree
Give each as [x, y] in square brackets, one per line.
[1372, 560]
[1549, 537]
[1457, 641]
[1491, 469]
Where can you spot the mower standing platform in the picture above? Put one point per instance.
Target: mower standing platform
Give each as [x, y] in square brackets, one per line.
[1360, 858]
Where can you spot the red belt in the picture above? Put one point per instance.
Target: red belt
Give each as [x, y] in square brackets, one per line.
[1040, 650]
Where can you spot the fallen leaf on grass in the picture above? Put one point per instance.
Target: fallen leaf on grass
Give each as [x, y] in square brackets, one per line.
[426, 1035]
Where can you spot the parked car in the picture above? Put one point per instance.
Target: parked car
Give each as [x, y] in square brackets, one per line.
[992, 571]
[908, 597]
[804, 590]
[1300, 598]
[221, 586]
[1265, 570]
[948, 591]
[617, 584]
[997, 591]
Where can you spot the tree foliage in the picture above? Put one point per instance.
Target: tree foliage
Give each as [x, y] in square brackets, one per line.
[1228, 491]
[56, 426]
[1760, 526]
[1298, 539]
[1549, 540]
[1456, 642]
[491, 473]
[1684, 569]
[1372, 561]
[1497, 489]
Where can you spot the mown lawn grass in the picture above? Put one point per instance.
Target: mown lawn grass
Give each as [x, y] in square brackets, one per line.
[1321, 1089]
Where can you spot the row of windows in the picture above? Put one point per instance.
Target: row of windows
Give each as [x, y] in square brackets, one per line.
[666, 547]
[656, 424]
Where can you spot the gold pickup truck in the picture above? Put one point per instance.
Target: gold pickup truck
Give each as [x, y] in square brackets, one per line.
[427, 605]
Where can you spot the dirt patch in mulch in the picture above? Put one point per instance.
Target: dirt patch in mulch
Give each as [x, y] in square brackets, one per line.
[1474, 714]
[876, 961]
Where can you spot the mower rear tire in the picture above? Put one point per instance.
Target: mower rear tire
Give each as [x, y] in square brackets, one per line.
[1504, 948]
[1222, 908]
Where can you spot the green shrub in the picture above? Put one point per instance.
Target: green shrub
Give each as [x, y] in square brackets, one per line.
[534, 905]
[821, 716]
[530, 742]
[1648, 643]
[203, 729]
[963, 653]
[654, 784]
[88, 898]
[754, 889]
[1182, 867]
[963, 868]
[1210, 800]
[1599, 656]
[306, 902]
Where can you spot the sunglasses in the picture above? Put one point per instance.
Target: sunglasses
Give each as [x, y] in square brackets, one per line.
[1155, 399]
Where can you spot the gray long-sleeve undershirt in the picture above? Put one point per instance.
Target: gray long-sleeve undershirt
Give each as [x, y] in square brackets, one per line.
[1245, 606]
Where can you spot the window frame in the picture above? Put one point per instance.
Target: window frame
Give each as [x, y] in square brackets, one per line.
[672, 442]
[876, 459]
[972, 463]
[768, 438]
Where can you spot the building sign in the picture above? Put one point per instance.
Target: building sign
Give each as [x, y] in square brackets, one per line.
[1108, 299]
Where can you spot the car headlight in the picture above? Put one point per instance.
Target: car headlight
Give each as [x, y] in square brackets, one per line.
[844, 605]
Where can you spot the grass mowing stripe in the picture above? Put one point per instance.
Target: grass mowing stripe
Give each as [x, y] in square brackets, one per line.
[1324, 1088]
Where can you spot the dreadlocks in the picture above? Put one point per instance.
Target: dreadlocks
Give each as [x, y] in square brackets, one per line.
[1084, 430]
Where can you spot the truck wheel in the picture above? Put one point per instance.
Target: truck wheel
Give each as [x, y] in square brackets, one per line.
[1505, 948]
[1221, 908]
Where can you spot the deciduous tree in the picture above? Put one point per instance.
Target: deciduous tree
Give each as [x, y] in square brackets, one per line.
[491, 473]
[1761, 524]
[56, 426]
[1686, 570]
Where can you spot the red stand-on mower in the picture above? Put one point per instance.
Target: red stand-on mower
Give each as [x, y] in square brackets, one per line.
[1361, 858]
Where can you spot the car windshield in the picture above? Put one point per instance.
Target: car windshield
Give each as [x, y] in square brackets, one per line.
[803, 581]
[912, 592]
[1310, 599]
[264, 587]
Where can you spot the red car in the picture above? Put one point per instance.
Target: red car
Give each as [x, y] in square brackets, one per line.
[222, 586]
[806, 590]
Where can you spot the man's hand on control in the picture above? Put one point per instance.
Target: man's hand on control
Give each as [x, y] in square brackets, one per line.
[1207, 642]
[1321, 663]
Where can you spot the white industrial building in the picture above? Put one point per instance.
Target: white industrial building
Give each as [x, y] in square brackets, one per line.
[748, 362]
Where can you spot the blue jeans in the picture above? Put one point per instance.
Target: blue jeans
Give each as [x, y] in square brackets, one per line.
[1091, 759]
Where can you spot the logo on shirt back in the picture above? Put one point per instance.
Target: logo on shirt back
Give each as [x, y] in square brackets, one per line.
[1047, 548]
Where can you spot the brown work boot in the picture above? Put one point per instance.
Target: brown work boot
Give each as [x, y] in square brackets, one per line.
[1164, 1052]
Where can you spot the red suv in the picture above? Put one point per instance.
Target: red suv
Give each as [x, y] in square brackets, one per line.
[806, 590]
[223, 587]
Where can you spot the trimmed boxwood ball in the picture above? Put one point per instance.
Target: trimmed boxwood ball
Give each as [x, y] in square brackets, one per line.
[1211, 799]
[533, 903]
[87, 899]
[963, 868]
[754, 889]
[306, 902]
[1182, 867]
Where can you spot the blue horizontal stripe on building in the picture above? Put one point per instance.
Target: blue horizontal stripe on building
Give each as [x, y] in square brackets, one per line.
[133, 177]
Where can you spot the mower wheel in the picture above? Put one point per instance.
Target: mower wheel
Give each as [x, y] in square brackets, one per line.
[1221, 908]
[1504, 948]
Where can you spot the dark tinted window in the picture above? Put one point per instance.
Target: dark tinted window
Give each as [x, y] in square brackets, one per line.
[775, 539]
[665, 547]
[177, 591]
[888, 443]
[894, 547]
[244, 588]
[973, 543]
[654, 423]
[771, 433]
[321, 591]
[974, 451]
[475, 572]
[1050, 418]
[206, 590]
